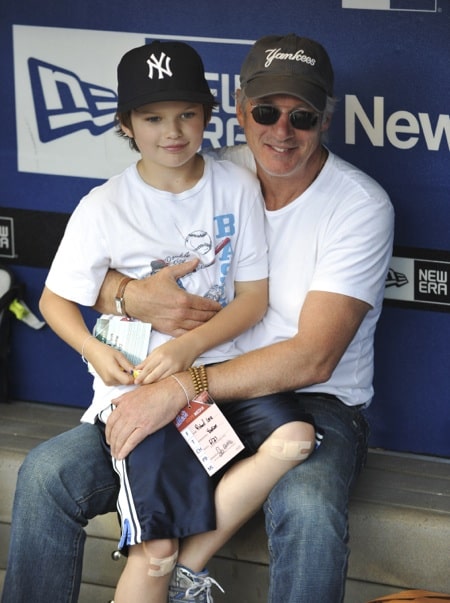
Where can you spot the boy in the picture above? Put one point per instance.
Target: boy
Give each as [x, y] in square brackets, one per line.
[171, 207]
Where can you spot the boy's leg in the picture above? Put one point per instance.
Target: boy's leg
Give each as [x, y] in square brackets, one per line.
[145, 578]
[164, 492]
[246, 485]
[306, 512]
[62, 484]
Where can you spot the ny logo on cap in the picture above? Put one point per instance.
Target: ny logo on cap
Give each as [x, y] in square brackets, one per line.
[157, 64]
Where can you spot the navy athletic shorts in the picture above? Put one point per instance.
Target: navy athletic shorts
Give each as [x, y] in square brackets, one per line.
[165, 491]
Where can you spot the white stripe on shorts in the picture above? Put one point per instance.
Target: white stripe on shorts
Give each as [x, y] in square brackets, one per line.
[131, 528]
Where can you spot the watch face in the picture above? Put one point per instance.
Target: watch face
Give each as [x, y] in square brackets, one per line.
[118, 305]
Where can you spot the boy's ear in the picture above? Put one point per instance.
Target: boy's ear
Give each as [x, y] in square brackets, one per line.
[127, 131]
[207, 114]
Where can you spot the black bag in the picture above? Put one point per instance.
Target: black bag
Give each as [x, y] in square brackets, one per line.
[10, 290]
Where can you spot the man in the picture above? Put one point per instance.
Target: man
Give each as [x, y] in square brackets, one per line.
[330, 231]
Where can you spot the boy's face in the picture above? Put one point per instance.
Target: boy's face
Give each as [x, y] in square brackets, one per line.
[168, 134]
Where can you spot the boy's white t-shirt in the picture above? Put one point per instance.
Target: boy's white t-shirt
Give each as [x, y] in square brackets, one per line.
[126, 224]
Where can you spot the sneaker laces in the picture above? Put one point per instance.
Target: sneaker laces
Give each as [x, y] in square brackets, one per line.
[204, 586]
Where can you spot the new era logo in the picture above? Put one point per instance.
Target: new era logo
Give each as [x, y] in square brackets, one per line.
[65, 104]
[395, 278]
[6, 237]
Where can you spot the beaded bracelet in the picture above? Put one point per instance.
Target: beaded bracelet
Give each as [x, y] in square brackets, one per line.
[199, 379]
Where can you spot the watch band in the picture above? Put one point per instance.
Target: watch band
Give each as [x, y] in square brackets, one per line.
[119, 298]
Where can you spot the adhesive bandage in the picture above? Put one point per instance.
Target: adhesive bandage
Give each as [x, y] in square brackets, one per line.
[165, 566]
[290, 450]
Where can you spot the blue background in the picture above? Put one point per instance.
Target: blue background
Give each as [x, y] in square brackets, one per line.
[402, 56]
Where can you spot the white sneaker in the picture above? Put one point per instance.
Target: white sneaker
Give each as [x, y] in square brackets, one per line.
[188, 586]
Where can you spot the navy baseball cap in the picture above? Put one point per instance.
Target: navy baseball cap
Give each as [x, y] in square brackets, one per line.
[161, 71]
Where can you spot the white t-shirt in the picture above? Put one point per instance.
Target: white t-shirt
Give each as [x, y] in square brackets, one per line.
[336, 237]
[126, 224]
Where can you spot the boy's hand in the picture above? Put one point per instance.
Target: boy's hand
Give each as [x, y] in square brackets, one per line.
[171, 357]
[110, 364]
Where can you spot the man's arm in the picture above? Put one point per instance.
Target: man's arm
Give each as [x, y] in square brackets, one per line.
[158, 299]
[327, 324]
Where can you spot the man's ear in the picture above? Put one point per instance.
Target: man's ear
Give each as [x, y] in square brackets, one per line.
[325, 123]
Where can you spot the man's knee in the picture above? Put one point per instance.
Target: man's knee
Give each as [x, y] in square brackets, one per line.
[36, 469]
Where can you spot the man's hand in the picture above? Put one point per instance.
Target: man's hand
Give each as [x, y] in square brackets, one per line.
[159, 300]
[141, 412]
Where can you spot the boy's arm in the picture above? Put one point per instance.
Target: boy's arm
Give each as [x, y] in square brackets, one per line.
[66, 320]
[246, 309]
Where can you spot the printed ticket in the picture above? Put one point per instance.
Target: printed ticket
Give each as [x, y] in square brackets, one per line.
[129, 336]
[208, 433]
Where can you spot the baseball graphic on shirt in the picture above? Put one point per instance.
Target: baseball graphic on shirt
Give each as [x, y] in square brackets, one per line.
[199, 241]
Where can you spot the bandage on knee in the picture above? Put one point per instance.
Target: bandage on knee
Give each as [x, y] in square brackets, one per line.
[164, 566]
[290, 450]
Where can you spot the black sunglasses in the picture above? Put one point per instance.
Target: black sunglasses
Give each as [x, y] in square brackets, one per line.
[267, 115]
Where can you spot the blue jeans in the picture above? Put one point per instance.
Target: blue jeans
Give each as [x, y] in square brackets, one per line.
[306, 512]
[62, 484]
[69, 479]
